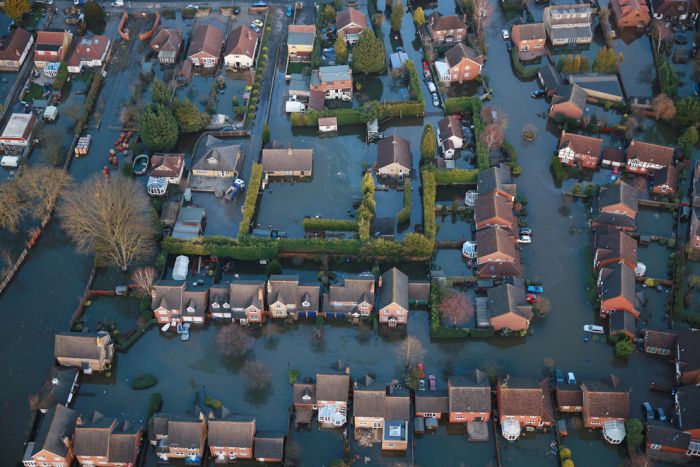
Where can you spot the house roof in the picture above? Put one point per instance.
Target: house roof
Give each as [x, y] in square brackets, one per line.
[602, 83]
[607, 397]
[621, 321]
[123, 446]
[185, 433]
[495, 240]
[495, 179]
[493, 205]
[236, 431]
[688, 407]
[663, 434]
[650, 153]
[446, 23]
[58, 423]
[330, 74]
[613, 155]
[350, 20]
[92, 439]
[580, 144]
[397, 407]
[621, 8]
[76, 345]
[618, 193]
[509, 298]
[301, 34]
[449, 127]
[394, 150]
[394, 289]
[269, 445]
[461, 51]
[550, 77]
[167, 40]
[432, 402]
[525, 397]
[317, 99]
[369, 402]
[58, 387]
[674, 8]
[353, 289]
[207, 39]
[195, 298]
[327, 121]
[469, 393]
[12, 46]
[688, 343]
[89, 48]
[285, 160]
[660, 339]
[332, 387]
[571, 93]
[220, 159]
[569, 32]
[49, 40]
[528, 32]
[241, 41]
[616, 245]
[561, 14]
[167, 165]
[244, 293]
[301, 390]
[569, 395]
[617, 281]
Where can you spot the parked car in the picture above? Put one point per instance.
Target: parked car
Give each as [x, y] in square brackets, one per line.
[192, 6]
[532, 298]
[436, 100]
[535, 289]
[505, 34]
[524, 239]
[260, 4]
[289, 10]
[660, 414]
[525, 231]
[539, 94]
[427, 74]
[421, 384]
[648, 411]
[432, 383]
[258, 22]
[594, 328]
[426, 65]
[237, 11]
[570, 378]
[431, 87]
[509, 45]
[559, 376]
[254, 27]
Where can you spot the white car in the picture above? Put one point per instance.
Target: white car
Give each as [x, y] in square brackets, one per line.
[436, 100]
[192, 6]
[525, 239]
[505, 34]
[258, 23]
[431, 87]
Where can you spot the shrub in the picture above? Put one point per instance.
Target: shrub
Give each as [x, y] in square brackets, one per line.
[455, 176]
[154, 404]
[251, 198]
[213, 403]
[558, 171]
[564, 453]
[144, 381]
[404, 214]
[293, 375]
[521, 71]
[429, 190]
[335, 225]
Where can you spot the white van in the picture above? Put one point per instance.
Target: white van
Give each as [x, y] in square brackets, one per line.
[431, 87]
[9, 161]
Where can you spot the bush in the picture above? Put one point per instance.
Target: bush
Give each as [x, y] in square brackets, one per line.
[564, 453]
[293, 375]
[154, 404]
[404, 214]
[413, 81]
[624, 347]
[251, 198]
[521, 71]
[213, 403]
[455, 176]
[558, 171]
[144, 381]
[61, 77]
[330, 225]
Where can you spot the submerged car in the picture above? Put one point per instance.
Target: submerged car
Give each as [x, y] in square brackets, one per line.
[539, 94]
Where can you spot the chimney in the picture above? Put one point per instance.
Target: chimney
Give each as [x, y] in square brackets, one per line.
[290, 151]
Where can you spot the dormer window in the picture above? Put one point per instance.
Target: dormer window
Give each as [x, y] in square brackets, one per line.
[227, 305]
[306, 397]
[215, 305]
[278, 305]
[305, 304]
[190, 309]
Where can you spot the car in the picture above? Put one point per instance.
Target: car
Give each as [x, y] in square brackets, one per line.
[505, 34]
[421, 384]
[398, 49]
[535, 289]
[427, 74]
[254, 27]
[260, 4]
[431, 86]
[660, 414]
[524, 239]
[570, 378]
[525, 231]
[289, 10]
[426, 65]
[559, 376]
[532, 298]
[237, 11]
[509, 45]
[258, 22]
[539, 94]
[648, 411]
[432, 383]
[594, 328]
[436, 100]
[192, 6]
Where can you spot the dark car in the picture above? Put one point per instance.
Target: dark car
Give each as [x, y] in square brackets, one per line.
[237, 11]
[538, 94]
[648, 411]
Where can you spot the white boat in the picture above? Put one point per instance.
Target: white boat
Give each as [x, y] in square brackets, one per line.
[595, 329]
[165, 327]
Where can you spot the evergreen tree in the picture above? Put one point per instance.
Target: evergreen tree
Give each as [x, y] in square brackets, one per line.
[368, 55]
[160, 93]
[585, 66]
[265, 134]
[419, 16]
[341, 50]
[397, 11]
[328, 14]
[158, 128]
[427, 143]
[568, 64]
[189, 118]
[605, 61]
[688, 139]
[576, 67]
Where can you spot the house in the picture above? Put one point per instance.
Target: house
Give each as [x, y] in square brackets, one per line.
[334, 81]
[450, 135]
[613, 158]
[239, 50]
[231, 438]
[178, 437]
[496, 180]
[549, 78]
[579, 150]
[59, 389]
[630, 13]
[687, 414]
[327, 124]
[350, 23]
[51, 47]
[393, 298]
[529, 40]
[463, 64]
[659, 342]
[205, 49]
[287, 162]
[508, 309]
[107, 442]
[287, 298]
[687, 353]
[168, 166]
[432, 404]
[89, 352]
[569, 24]
[397, 413]
[614, 247]
[299, 86]
[622, 323]
[304, 399]
[240, 300]
[469, 398]
[269, 447]
[617, 207]
[497, 256]
[446, 29]
[90, 52]
[679, 10]
[599, 87]
[693, 245]
[18, 130]
[368, 412]
[643, 158]
[354, 296]
[167, 44]
[666, 443]
[14, 49]
[394, 157]
[605, 400]
[493, 210]
[220, 162]
[569, 102]
[569, 398]
[300, 42]
[616, 289]
[665, 181]
[523, 402]
[332, 399]
[175, 303]
[52, 446]
[418, 292]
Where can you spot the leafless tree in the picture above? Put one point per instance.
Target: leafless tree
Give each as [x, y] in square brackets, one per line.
[14, 206]
[73, 111]
[494, 115]
[410, 350]
[631, 126]
[42, 185]
[234, 341]
[7, 261]
[493, 136]
[456, 308]
[144, 278]
[663, 107]
[257, 375]
[482, 11]
[542, 307]
[109, 217]
[661, 33]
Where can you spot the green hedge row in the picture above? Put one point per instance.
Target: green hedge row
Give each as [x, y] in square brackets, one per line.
[458, 105]
[354, 116]
[429, 190]
[89, 104]
[251, 198]
[471, 105]
[404, 214]
[455, 176]
[330, 225]
[414, 81]
[521, 71]
[123, 346]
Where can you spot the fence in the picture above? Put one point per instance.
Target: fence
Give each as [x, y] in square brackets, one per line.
[86, 293]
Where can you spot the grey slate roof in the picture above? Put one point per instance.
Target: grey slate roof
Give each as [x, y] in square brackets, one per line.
[397, 407]
[58, 392]
[369, 402]
[432, 402]
[495, 178]
[168, 294]
[394, 289]
[269, 445]
[666, 435]
[617, 281]
[244, 293]
[283, 160]
[76, 345]
[332, 387]
[606, 397]
[235, 431]
[470, 393]
[59, 422]
[571, 93]
[329, 74]
[394, 149]
[353, 289]
[508, 298]
[459, 52]
[224, 159]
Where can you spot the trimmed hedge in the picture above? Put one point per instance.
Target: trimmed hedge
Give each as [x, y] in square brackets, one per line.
[330, 225]
[251, 198]
[558, 171]
[354, 116]
[429, 190]
[404, 214]
[144, 381]
[414, 81]
[124, 345]
[154, 404]
[521, 71]
[454, 105]
[455, 176]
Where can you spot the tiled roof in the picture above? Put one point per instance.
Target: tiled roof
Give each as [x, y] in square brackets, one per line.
[461, 51]
[58, 423]
[509, 298]
[616, 245]
[606, 398]
[241, 41]
[368, 402]
[580, 144]
[394, 150]
[495, 179]
[351, 20]
[207, 39]
[449, 127]
[528, 32]
[650, 153]
[284, 160]
[469, 393]
[525, 397]
[167, 165]
[76, 345]
[394, 289]
[237, 431]
[167, 40]
[12, 46]
[332, 387]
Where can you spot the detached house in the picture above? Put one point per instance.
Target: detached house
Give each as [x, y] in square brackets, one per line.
[615, 247]
[89, 53]
[616, 288]
[107, 442]
[89, 352]
[173, 302]
[497, 256]
[568, 102]
[606, 404]
[304, 398]
[679, 10]
[168, 166]
[446, 29]
[469, 398]
[507, 307]
[569, 24]
[523, 402]
[496, 180]
[240, 300]
[630, 13]
[332, 399]
[177, 437]
[51, 47]
[167, 44]
[289, 162]
[14, 49]
[287, 298]
[462, 64]
[617, 207]
[221, 162]
[450, 135]
[239, 51]
[205, 49]
[350, 23]
[394, 157]
[393, 298]
[579, 150]
[529, 40]
[665, 181]
[354, 297]
[643, 158]
[335, 82]
[52, 446]
[300, 42]
[231, 438]
[493, 210]
[666, 443]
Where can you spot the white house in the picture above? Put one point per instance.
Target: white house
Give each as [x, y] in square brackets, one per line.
[90, 52]
[450, 136]
[239, 51]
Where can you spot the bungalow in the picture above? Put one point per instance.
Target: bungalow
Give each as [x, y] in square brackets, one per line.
[332, 399]
[665, 181]
[334, 81]
[300, 42]
[167, 44]
[446, 29]
[569, 398]
[394, 157]
[287, 162]
[469, 398]
[645, 157]
[687, 414]
[89, 352]
[616, 289]
[493, 210]
[90, 52]
[549, 78]
[463, 64]
[605, 400]
[231, 438]
[269, 447]
[666, 443]
[659, 342]
[18, 130]
[630, 13]
[327, 124]
[350, 23]
[397, 413]
[178, 437]
[205, 49]
[497, 256]
[287, 298]
[239, 50]
[583, 151]
[617, 207]
[220, 162]
[450, 135]
[622, 323]
[507, 307]
[496, 180]
[679, 10]
[613, 157]
[687, 353]
[176, 303]
[523, 402]
[51, 47]
[569, 102]
[168, 166]
[614, 247]
[599, 88]
[52, 445]
[569, 24]
[432, 404]
[14, 49]
[393, 298]
[529, 40]
[59, 389]
[107, 442]
[354, 296]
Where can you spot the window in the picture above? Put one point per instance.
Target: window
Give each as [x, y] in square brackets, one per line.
[376, 424]
[655, 446]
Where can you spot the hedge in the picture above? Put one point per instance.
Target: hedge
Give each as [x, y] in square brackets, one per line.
[259, 70]
[558, 171]
[154, 404]
[330, 225]
[460, 105]
[251, 198]
[213, 403]
[521, 71]
[429, 190]
[414, 81]
[124, 345]
[144, 381]
[404, 214]
[354, 116]
[89, 104]
[455, 176]
[61, 76]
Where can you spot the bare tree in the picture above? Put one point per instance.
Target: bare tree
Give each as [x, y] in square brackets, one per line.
[661, 33]
[663, 107]
[456, 308]
[14, 206]
[482, 10]
[144, 278]
[42, 185]
[234, 341]
[542, 307]
[493, 136]
[410, 350]
[631, 126]
[111, 218]
[7, 261]
[257, 375]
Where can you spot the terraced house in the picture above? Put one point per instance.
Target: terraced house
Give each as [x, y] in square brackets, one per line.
[616, 208]
[286, 298]
[469, 398]
[497, 256]
[606, 404]
[107, 442]
[178, 437]
[352, 298]
[523, 402]
[175, 302]
[393, 298]
[53, 444]
[231, 438]
[240, 300]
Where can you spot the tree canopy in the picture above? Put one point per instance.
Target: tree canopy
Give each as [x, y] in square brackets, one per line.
[368, 55]
[397, 12]
[606, 61]
[160, 93]
[341, 50]
[687, 111]
[189, 118]
[427, 143]
[95, 17]
[15, 9]
[419, 16]
[158, 128]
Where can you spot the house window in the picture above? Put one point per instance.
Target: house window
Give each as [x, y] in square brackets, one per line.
[655, 446]
[376, 424]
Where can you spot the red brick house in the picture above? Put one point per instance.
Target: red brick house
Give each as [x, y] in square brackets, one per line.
[304, 399]
[616, 208]
[497, 256]
[354, 297]
[269, 447]
[579, 150]
[644, 158]
[168, 166]
[52, 445]
[665, 181]
[613, 157]
[630, 13]
[529, 40]
[350, 23]
[659, 342]
[231, 438]
[605, 400]
[523, 402]
[88, 53]
[493, 210]
[446, 29]
[173, 302]
[616, 288]
[14, 49]
[177, 437]
[568, 102]
[332, 392]
[431, 404]
[469, 398]
[205, 49]
[666, 443]
[496, 180]
[687, 414]
[51, 47]
[240, 300]
[569, 398]
[107, 442]
[393, 298]
[507, 307]
[286, 297]
[463, 64]
[622, 323]
[615, 247]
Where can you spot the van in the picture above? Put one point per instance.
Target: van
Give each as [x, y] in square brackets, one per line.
[9, 161]
[431, 87]
[570, 378]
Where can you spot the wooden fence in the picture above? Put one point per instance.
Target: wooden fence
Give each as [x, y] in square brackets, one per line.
[86, 294]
